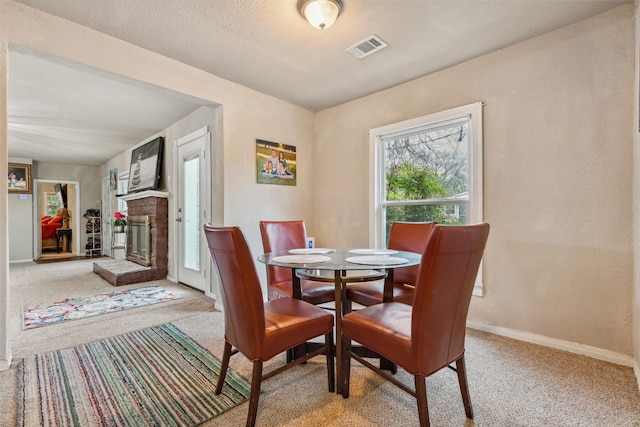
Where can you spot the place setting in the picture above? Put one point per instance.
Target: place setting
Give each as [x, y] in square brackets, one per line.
[301, 259]
[311, 251]
[372, 256]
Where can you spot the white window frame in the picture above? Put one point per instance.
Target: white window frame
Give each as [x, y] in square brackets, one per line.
[123, 181]
[377, 169]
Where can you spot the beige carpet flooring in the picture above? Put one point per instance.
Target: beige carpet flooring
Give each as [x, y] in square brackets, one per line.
[511, 383]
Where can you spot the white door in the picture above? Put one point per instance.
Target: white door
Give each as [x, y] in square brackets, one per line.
[105, 220]
[191, 209]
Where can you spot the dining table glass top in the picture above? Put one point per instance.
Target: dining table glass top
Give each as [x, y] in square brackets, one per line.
[341, 259]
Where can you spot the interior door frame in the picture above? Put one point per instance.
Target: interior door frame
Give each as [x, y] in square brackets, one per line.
[37, 204]
[105, 222]
[205, 201]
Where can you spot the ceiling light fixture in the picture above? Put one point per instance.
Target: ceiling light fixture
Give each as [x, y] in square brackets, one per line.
[320, 13]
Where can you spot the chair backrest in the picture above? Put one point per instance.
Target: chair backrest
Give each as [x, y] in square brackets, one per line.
[281, 236]
[446, 277]
[412, 237]
[240, 291]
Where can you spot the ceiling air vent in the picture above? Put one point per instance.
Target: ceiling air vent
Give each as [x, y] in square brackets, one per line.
[366, 47]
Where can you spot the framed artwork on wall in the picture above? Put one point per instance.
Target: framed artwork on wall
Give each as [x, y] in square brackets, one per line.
[146, 163]
[19, 179]
[113, 179]
[276, 163]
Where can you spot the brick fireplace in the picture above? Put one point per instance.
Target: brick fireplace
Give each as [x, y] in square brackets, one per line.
[154, 206]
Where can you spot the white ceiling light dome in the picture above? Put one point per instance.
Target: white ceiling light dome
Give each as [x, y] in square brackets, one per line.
[320, 13]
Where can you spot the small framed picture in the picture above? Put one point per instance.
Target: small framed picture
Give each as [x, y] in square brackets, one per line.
[113, 179]
[276, 163]
[19, 179]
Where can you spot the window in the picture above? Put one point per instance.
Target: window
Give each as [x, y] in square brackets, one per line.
[50, 204]
[427, 169]
[123, 187]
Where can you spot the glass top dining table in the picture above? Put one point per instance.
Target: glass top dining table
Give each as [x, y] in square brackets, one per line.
[341, 259]
[341, 266]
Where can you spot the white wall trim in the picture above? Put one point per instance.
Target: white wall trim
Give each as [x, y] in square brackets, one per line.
[5, 363]
[636, 370]
[573, 347]
[16, 261]
[478, 290]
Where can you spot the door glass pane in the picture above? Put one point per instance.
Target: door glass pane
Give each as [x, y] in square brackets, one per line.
[191, 211]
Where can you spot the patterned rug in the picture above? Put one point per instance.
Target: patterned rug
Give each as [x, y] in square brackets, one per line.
[156, 376]
[83, 307]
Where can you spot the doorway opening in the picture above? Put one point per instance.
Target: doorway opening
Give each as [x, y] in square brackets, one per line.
[56, 207]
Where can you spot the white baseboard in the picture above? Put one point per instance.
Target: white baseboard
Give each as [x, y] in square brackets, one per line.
[5, 363]
[478, 290]
[20, 260]
[636, 369]
[573, 347]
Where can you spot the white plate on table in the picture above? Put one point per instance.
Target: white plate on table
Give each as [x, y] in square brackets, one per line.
[376, 260]
[373, 251]
[300, 259]
[311, 251]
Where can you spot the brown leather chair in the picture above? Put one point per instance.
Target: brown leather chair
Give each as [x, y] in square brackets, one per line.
[260, 330]
[283, 236]
[403, 236]
[430, 335]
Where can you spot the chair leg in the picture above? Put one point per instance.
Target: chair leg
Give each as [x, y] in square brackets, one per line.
[387, 365]
[256, 381]
[226, 355]
[331, 370]
[464, 387]
[346, 367]
[421, 400]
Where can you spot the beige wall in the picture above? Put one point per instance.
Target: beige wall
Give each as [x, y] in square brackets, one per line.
[557, 176]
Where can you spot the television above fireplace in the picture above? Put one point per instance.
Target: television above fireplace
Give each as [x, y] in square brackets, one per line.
[146, 164]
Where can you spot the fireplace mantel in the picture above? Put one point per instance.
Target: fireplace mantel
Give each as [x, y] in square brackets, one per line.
[144, 194]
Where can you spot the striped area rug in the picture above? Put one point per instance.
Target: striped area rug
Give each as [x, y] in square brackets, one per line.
[156, 376]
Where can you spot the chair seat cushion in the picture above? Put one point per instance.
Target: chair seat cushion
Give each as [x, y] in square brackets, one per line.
[312, 292]
[290, 322]
[385, 329]
[370, 293]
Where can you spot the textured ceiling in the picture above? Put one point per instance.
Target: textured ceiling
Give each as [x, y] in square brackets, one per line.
[266, 45]
[63, 113]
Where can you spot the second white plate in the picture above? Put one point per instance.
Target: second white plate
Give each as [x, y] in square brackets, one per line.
[300, 259]
[373, 251]
[376, 260]
[308, 251]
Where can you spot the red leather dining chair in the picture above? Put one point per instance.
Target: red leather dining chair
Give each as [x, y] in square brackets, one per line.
[403, 236]
[430, 335]
[261, 330]
[283, 236]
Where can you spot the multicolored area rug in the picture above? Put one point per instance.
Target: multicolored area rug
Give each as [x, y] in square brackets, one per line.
[156, 376]
[83, 307]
